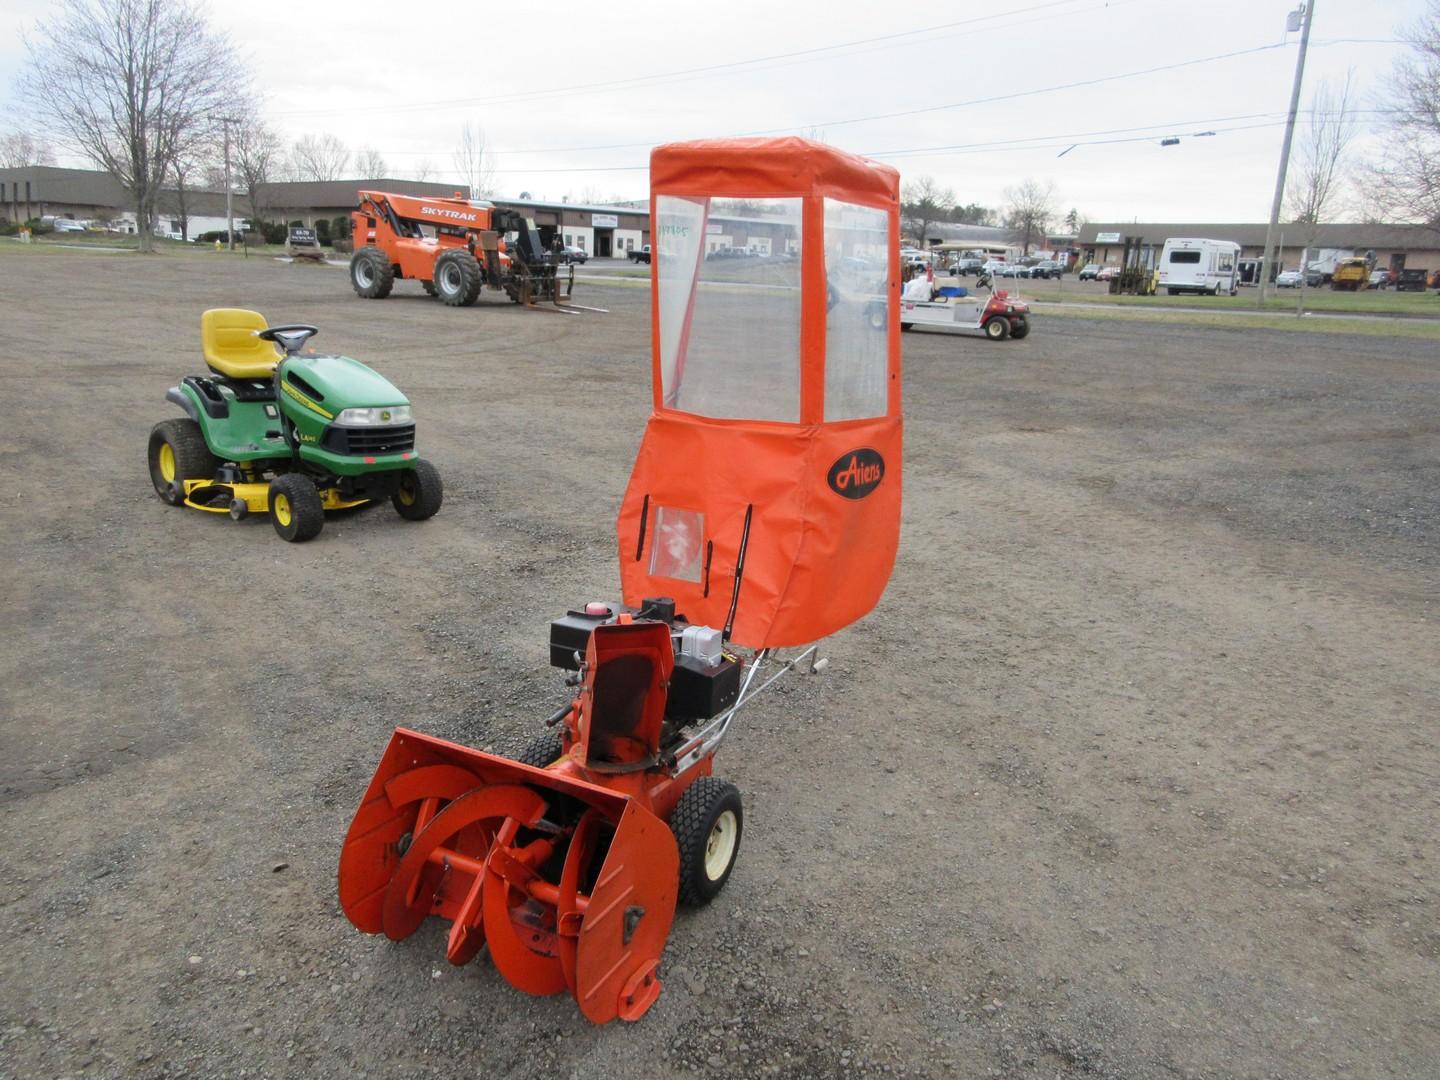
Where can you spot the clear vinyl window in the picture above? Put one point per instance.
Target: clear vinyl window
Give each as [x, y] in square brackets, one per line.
[679, 541]
[729, 320]
[857, 272]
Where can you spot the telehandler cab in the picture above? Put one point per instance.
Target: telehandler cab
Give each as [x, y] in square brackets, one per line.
[294, 434]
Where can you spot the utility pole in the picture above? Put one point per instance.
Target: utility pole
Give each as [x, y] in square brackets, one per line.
[225, 122]
[1307, 11]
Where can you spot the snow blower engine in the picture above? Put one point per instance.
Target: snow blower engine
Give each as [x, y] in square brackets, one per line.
[762, 514]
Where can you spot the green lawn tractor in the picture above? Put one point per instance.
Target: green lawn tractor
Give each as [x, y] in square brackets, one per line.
[274, 430]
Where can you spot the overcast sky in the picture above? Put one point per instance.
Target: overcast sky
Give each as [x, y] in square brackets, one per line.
[571, 95]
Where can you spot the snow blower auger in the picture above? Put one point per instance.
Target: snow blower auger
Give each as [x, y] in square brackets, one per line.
[762, 513]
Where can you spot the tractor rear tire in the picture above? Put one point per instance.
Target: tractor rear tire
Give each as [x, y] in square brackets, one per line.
[371, 274]
[457, 278]
[542, 750]
[707, 822]
[295, 508]
[420, 492]
[178, 453]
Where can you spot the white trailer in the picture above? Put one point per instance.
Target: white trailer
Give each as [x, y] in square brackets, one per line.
[1200, 266]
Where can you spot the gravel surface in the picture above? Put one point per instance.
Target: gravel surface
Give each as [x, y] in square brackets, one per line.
[1131, 774]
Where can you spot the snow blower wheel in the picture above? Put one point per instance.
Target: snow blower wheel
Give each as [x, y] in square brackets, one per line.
[707, 823]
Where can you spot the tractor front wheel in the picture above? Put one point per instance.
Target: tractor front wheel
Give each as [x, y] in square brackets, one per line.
[420, 492]
[707, 823]
[178, 453]
[295, 508]
[457, 278]
[371, 274]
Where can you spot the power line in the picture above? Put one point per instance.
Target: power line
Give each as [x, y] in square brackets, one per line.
[658, 78]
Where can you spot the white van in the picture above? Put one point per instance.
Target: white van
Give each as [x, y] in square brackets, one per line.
[1200, 266]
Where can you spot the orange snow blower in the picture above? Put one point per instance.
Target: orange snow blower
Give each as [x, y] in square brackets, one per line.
[762, 513]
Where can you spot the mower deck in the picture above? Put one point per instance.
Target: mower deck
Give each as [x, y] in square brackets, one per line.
[207, 494]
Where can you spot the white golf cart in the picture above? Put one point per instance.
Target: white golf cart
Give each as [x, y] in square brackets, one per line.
[996, 313]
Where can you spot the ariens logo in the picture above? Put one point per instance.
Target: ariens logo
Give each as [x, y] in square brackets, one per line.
[857, 473]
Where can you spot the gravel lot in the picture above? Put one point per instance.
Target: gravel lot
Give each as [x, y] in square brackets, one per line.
[1132, 773]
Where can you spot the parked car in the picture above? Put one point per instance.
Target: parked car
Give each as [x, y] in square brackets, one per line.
[1378, 279]
[1411, 280]
[966, 267]
[1108, 273]
[67, 225]
[1314, 277]
[1046, 268]
[641, 254]
[1090, 271]
[574, 255]
[1287, 279]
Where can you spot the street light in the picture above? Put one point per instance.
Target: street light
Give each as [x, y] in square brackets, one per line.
[1305, 11]
[225, 122]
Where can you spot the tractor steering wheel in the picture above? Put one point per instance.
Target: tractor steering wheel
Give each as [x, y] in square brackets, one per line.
[291, 337]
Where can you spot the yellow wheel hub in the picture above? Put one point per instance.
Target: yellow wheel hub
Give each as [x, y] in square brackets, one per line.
[167, 462]
[407, 491]
[281, 509]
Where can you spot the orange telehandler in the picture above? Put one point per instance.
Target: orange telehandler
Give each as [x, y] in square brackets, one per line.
[453, 247]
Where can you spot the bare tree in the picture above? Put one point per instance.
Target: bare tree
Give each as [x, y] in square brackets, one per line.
[319, 157]
[474, 162]
[20, 150]
[423, 170]
[259, 161]
[923, 203]
[1029, 209]
[1407, 186]
[126, 83]
[1317, 163]
[369, 165]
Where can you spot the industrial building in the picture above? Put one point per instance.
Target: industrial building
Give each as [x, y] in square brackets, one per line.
[1395, 247]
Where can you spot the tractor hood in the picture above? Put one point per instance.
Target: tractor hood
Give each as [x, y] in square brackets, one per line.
[337, 382]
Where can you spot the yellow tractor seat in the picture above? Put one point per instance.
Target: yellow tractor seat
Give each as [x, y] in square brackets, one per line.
[227, 336]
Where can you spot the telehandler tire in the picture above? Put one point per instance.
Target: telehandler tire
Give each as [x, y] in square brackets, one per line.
[457, 278]
[178, 453]
[707, 823]
[371, 274]
[420, 492]
[295, 508]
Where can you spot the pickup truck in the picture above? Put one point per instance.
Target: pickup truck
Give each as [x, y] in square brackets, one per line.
[640, 255]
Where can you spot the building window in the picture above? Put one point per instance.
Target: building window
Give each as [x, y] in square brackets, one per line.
[27, 190]
[580, 242]
[569, 240]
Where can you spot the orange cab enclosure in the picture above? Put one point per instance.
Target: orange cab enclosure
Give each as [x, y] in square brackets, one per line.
[774, 445]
